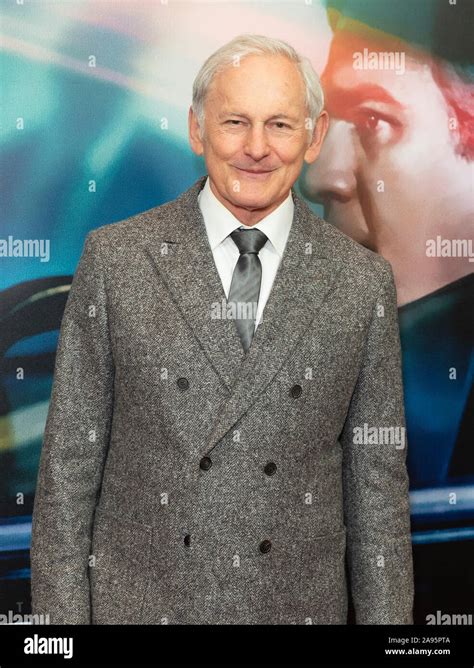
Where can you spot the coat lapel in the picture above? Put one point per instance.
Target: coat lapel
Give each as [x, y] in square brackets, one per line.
[188, 270]
[307, 272]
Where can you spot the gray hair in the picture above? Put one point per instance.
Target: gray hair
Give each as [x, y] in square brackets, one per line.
[246, 45]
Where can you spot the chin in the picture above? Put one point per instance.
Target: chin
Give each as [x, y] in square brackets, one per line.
[253, 189]
[251, 199]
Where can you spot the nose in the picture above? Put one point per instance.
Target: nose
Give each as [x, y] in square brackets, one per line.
[256, 143]
[333, 175]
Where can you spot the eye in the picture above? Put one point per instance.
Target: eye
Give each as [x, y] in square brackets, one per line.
[280, 125]
[233, 120]
[372, 125]
[369, 121]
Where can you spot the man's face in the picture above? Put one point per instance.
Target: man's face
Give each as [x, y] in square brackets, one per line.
[256, 137]
[388, 174]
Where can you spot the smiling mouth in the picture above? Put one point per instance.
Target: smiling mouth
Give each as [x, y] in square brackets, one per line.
[259, 172]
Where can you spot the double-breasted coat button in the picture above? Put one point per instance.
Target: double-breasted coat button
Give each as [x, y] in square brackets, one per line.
[270, 468]
[187, 539]
[296, 391]
[205, 463]
[265, 546]
[183, 383]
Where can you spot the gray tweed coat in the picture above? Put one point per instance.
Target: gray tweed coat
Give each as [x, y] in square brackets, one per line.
[183, 482]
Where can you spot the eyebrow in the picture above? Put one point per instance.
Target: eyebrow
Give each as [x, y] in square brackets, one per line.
[235, 113]
[361, 93]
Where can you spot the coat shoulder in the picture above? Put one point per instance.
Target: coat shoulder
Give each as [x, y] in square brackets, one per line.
[163, 220]
[353, 250]
[358, 260]
[136, 228]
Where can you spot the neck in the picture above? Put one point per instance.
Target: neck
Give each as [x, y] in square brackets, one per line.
[417, 275]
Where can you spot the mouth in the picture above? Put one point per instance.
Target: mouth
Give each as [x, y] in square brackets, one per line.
[258, 174]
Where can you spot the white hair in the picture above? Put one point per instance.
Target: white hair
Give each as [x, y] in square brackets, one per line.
[250, 44]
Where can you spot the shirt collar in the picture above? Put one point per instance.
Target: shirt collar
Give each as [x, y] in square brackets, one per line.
[220, 222]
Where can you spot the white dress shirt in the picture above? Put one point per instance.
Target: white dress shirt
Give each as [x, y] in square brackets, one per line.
[220, 222]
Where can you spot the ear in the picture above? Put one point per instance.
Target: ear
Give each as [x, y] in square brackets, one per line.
[319, 132]
[195, 133]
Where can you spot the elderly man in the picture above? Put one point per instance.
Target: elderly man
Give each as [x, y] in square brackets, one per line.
[226, 437]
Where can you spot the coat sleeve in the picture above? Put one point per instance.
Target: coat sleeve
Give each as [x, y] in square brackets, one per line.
[375, 480]
[74, 449]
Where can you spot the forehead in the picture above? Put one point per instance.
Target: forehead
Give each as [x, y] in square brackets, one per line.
[341, 77]
[259, 80]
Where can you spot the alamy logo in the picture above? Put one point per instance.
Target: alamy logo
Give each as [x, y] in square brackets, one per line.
[440, 247]
[366, 435]
[379, 60]
[42, 645]
[448, 618]
[20, 618]
[11, 247]
[231, 310]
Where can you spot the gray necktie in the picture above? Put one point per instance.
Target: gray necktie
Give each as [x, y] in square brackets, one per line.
[245, 287]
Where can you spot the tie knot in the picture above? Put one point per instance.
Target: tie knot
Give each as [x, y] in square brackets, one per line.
[249, 240]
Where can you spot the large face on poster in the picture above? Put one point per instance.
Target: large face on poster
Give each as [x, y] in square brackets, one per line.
[396, 169]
